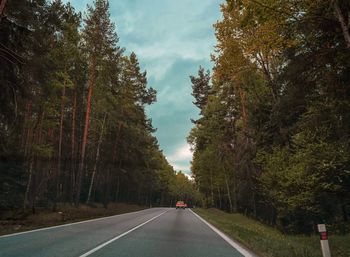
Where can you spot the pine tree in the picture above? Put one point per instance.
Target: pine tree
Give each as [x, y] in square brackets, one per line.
[100, 41]
[201, 88]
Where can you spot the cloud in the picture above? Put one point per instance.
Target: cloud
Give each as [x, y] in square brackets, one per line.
[189, 176]
[165, 30]
[181, 154]
[180, 167]
[180, 159]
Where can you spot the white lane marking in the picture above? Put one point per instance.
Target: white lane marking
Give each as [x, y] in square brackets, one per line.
[121, 235]
[69, 224]
[234, 244]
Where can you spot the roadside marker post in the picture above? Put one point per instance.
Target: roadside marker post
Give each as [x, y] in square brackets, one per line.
[324, 240]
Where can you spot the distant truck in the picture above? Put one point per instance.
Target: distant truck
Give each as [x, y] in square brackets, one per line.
[180, 205]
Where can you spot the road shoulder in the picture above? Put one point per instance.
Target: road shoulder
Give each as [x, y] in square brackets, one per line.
[238, 246]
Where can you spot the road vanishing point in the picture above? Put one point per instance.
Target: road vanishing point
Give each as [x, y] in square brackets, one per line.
[155, 232]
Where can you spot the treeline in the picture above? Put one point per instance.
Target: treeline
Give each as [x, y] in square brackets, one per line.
[273, 138]
[73, 126]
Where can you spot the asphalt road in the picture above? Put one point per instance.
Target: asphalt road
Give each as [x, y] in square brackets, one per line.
[156, 232]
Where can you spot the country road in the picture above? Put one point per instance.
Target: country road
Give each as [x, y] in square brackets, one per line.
[155, 232]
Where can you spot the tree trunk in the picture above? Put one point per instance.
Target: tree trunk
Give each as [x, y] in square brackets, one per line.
[2, 7]
[339, 15]
[92, 77]
[107, 192]
[228, 192]
[211, 188]
[242, 96]
[220, 204]
[34, 136]
[27, 131]
[97, 158]
[26, 196]
[59, 156]
[114, 161]
[263, 62]
[74, 109]
[234, 201]
[117, 190]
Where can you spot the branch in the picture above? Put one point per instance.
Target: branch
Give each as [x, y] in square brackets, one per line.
[12, 53]
[5, 57]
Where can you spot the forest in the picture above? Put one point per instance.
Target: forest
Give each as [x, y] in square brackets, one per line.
[73, 125]
[273, 137]
[272, 140]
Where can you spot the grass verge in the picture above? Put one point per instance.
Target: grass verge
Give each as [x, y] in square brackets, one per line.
[269, 242]
[12, 223]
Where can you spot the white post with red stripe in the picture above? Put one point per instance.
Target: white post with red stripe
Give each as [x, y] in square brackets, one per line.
[324, 240]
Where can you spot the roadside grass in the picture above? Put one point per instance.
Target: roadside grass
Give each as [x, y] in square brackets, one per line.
[269, 242]
[12, 222]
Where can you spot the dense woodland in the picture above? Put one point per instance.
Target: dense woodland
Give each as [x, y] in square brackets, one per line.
[273, 137]
[272, 140]
[73, 127]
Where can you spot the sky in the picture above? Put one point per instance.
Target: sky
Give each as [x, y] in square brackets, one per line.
[171, 38]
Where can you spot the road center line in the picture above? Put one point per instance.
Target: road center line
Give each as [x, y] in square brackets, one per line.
[235, 245]
[121, 235]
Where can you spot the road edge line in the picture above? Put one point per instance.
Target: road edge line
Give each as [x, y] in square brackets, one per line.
[229, 240]
[119, 236]
[70, 224]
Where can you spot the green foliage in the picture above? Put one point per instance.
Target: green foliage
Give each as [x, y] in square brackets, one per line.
[51, 55]
[277, 118]
[183, 190]
[201, 88]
